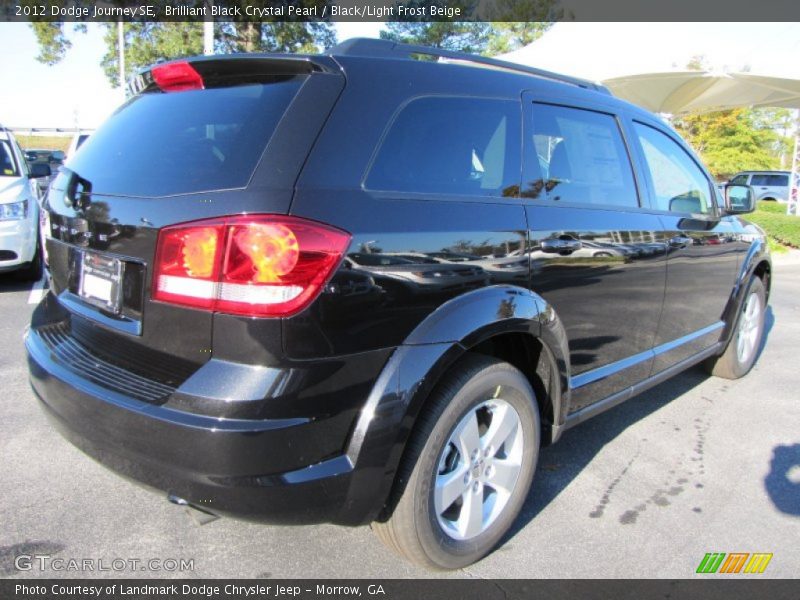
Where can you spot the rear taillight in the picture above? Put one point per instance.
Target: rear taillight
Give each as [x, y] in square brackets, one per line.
[255, 265]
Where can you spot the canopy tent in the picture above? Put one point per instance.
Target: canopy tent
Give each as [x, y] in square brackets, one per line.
[677, 92]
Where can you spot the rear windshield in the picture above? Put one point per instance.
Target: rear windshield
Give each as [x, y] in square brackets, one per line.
[163, 144]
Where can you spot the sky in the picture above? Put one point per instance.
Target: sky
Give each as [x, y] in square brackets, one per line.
[76, 92]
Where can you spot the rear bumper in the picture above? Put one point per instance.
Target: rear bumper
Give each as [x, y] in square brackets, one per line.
[285, 469]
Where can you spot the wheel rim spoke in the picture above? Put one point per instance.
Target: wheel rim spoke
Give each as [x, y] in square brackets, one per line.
[449, 488]
[468, 436]
[504, 475]
[470, 521]
[504, 423]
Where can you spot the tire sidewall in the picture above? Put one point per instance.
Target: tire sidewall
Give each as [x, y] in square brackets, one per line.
[515, 389]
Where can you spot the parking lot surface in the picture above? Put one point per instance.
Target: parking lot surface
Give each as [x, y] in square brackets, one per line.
[695, 465]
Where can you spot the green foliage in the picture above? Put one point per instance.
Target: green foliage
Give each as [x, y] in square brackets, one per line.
[772, 217]
[48, 142]
[258, 36]
[731, 141]
[53, 43]
[474, 37]
[505, 37]
[456, 36]
[147, 43]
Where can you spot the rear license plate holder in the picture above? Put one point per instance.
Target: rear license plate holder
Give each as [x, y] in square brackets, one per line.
[100, 282]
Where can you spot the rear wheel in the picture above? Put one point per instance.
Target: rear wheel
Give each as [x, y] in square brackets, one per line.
[468, 466]
[742, 350]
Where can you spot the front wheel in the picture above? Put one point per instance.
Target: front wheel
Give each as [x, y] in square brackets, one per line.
[468, 466]
[742, 350]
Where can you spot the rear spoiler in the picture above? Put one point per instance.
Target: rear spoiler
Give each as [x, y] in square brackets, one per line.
[232, 69]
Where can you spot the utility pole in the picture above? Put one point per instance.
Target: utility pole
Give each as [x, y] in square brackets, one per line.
[793, 204]
[121, 50]
[208, 30]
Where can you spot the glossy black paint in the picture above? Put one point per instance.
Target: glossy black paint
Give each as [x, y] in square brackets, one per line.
[305, 419]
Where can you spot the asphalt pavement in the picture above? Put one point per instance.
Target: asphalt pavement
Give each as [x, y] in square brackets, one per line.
[693, 466]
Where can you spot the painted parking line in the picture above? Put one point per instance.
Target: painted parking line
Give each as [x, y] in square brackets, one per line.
[37, 291]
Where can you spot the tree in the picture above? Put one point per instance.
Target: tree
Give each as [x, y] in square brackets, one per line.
[729, 141]
[149, 42]
[476, 38]
[505, 37]
[53, 42]
[447, 35]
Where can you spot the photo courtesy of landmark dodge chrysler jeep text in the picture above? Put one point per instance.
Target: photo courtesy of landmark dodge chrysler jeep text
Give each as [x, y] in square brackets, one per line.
[365, 288]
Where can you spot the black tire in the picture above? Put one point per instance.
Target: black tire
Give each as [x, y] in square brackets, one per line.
[33, 270]
[730, 364]
[413, 530]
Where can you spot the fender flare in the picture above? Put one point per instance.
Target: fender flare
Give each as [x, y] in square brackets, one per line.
[384, 425]
[757, 254]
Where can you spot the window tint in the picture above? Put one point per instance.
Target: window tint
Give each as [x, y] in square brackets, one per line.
[760, 180]
[160, 144]
[8, 166]
[580, 157]
[739, 180]
[678, 183]
[451, 146]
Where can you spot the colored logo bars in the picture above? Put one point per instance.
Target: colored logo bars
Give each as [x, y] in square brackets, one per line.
[736, 562]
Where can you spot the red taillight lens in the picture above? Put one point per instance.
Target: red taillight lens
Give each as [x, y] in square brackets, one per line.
[263, 265]
[177, 77]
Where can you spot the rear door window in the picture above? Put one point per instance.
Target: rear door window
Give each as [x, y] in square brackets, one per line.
[581, 158]
[760, 179]
[163, 144]
[451, 145]
[778, 180]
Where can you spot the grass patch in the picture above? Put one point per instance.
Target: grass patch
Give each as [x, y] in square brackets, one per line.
[44, 142]
[780, 227]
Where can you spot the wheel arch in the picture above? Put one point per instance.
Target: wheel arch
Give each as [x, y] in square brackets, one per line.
[756, 263]
[498, 321]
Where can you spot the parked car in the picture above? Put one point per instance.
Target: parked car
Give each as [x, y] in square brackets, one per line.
[767, 185]
[186, 342]
[52, 158]
[20, 245]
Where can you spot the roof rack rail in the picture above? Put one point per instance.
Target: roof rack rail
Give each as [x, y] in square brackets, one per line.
[372, 47]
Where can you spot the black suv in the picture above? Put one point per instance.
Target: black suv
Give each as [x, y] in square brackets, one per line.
[366, 287]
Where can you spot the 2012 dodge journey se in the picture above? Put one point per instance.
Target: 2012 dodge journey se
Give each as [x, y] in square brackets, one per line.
[364, 288]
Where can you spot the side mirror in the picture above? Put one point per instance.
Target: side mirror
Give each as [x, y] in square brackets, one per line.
[39, 170]
[739, 199]
[58, 156]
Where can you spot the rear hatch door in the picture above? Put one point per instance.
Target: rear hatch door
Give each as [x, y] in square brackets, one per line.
[229, 139]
